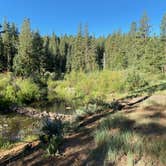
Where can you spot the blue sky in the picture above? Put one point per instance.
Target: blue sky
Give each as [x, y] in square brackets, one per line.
[63, 16]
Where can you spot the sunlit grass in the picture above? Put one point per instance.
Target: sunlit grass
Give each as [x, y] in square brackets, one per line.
[102, 137]
[30, 138]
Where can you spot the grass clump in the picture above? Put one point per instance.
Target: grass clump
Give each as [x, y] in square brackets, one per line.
[5, 144]
[117, 144]
[101, 137]
[117, 121]
[157, 148]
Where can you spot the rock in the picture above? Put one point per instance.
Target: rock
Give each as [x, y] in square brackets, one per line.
[31, 112]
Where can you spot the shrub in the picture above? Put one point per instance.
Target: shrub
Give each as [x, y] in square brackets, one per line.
[84, 88]
[53, 145]
[135, 80]
[102, 137]
[18, 91]
[52, 135]
[28, 91]
[10, 94]
[51, 128]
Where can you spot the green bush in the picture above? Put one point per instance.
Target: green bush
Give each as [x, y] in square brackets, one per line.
[28, 91]
[53, 145]
[135, 80]
[52, 135]
[17, 90]
[10, 94]
[83, 88]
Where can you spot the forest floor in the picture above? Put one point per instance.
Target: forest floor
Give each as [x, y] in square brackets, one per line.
[149, 113]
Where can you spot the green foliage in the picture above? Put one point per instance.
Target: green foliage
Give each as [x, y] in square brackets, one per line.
[28, 53]
[18, 91]
[52, 135]
[53, 145]
[135, 80]
[51, 128]
[4, 79]
[23, 62]
[118, 143]
[86, 88]
[101, 137]
[157, 149]
[130, 159]
[28, 91]
[5, 144]
[10, 94]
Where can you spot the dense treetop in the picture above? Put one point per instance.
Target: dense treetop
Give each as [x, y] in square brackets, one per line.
[27, 53]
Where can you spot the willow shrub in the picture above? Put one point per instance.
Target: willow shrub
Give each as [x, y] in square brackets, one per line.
[17, 90]
[85, 87]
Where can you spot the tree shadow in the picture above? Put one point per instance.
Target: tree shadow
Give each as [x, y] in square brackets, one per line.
[155, 107]
[11, 160]
[151, 129]
[94, 118]
[123, 124]
[152, 89]
[97, 156]
[156, 115]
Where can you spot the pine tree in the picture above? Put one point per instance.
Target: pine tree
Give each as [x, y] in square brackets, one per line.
[144, 28]
[100, 52]
[153, 58]
[7, 46]
[70, 53]
[92, 56]
[78, 60]
[23, 61]
[54, 52]
[38, 52]
[163, 40]
[1, 55]
[133, 29]
[87, 45]
[63, 48]
[163, 28]
[45, 60]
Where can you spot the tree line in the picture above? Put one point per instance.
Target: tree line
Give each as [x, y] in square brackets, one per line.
[28, 53]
